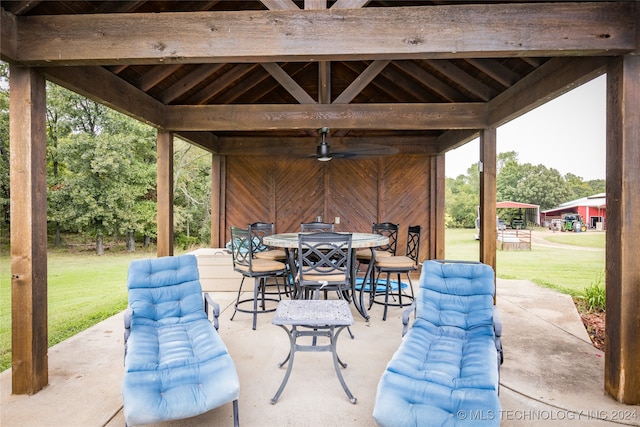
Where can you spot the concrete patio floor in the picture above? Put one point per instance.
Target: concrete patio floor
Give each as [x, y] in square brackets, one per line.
[552, 375]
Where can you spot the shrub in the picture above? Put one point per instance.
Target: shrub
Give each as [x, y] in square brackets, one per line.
[595, 295]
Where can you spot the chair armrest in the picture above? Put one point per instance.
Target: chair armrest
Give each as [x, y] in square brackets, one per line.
[128, 313]
[208, 301]
[405, 317]
[497, 329]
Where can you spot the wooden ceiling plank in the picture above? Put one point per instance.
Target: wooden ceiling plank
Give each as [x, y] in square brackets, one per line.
[361, 82]
[220, 84]
[288, 83]
[453, 31]
[495, 70]
[434, 84]
[461, 78]
[100, 85]
[315, 116]
[250, 84]
[188, 82]
[156, 75]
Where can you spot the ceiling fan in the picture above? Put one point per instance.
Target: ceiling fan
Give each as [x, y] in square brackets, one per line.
[324, 153]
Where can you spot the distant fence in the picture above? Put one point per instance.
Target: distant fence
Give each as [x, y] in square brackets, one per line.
[514, 240]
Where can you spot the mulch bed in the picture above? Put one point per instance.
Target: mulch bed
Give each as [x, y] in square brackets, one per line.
[595, 325]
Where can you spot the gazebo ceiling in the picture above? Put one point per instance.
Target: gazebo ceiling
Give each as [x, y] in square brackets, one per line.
[261, 77]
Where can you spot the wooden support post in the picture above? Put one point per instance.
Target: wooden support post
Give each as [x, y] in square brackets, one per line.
[28, 177]
[165, 193]
[622, 352]
[437, 208]
[488, 197]
[216, 239]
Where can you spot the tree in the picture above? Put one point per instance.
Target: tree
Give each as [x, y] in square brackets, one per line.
[109, 166]
[4, 144]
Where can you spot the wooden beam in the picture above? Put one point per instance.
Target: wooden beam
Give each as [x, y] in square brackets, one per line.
[437, 208]
[305, 146]
[217, 241]
[488, 197]
[324, 82]
[622, 352]
[8, 36]
[280, 4]
[288, 83]
[361, 82]
[205, 140]
[104, 87]
[28, 182]
[455, 138]
[165, 193]
[315, 116]
[448, 31]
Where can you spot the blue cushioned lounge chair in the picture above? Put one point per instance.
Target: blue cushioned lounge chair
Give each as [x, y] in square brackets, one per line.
[176, 365]
[446, 370]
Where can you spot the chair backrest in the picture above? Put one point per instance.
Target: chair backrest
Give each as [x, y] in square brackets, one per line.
[260, 230]
[458, 294]
[165, 290]
[316, 226]
[242, 248]
[324, 257]
[389, 230]
[413, 242]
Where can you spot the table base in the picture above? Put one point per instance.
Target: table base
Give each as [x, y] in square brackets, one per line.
[332, 332]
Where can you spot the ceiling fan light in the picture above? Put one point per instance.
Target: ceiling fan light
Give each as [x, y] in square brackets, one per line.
[323, 152]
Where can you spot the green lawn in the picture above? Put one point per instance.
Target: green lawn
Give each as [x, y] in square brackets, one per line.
[85, 289]
[568, 270]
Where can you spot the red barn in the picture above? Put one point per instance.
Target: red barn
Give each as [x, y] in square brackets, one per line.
[593, 210]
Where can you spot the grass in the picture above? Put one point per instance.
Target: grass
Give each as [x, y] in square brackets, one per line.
[567, 270]
[84, 289]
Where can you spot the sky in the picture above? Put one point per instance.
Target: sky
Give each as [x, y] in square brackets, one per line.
[566, 134]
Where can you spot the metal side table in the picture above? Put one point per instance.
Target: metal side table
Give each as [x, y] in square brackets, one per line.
[318, 318]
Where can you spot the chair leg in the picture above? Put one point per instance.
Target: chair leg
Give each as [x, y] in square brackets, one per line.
[386, 296]
[235, 309]
[256, 290]
[236, 417]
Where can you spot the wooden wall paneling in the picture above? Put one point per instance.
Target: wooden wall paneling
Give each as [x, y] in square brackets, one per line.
[299, 193]
[406, 202]
[352, 197]
[248, 192]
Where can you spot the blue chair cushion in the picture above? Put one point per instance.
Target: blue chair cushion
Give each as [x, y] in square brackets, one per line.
[176, 364]
[445, 372]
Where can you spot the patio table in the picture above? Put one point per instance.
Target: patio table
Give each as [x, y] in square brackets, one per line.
[358, 240]
[322, 318]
